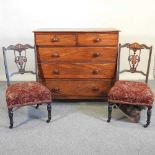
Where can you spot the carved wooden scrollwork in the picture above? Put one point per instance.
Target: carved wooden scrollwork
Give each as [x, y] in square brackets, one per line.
[134, 55]
[19, 47]
[20, 55]
[134, 59]
[20, 61]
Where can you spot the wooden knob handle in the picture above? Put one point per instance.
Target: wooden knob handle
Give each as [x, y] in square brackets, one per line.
[97, 54]
[56, 71]
[96, 71]
[55, 90]
[55, 39]
[55, 55]
[95, 89]
[97, 39]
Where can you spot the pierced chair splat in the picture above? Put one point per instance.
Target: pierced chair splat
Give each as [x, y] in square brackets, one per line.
[24, 93]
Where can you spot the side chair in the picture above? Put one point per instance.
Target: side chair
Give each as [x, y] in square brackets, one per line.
[23, 93]
[132, 93]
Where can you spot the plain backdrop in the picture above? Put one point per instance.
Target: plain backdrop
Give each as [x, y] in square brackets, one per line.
[134, 18]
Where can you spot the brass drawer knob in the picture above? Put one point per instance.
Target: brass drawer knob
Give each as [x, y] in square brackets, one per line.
[55, 90]
[55, 39]
[97, 54]
[56, 71]
[55, 55]
[96, 71]
[95, 89]
[97, 39]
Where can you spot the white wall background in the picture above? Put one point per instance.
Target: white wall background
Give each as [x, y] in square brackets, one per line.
[18, 18]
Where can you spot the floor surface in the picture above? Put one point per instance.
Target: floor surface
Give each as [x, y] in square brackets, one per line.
[76, 129]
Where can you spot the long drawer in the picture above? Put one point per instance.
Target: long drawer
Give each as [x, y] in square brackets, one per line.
[75, 88]
[80, 54]
[77, 70]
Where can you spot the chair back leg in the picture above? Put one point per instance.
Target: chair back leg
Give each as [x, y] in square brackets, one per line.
[49, 112]
[10, 112]
[149, 111]
[109, 112]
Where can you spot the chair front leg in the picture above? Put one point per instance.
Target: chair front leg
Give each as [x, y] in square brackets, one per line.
[109, 112]
[49, 109]
[10, 113]
[149, 111]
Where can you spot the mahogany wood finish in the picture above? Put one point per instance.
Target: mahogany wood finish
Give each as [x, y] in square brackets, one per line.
[98, 39]
[77, 63]
[77, 88]
[54, 39]
[76, 70]
[81, 54]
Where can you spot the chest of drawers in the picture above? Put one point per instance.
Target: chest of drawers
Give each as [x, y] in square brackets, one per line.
[77, 63]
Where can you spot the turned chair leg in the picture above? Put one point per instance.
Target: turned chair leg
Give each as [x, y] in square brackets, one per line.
[37, 106]
[10, 112]
[109, 112]
[149, 111]
[49, 109]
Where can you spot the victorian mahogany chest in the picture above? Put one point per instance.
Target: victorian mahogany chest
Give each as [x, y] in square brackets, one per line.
[77, 63]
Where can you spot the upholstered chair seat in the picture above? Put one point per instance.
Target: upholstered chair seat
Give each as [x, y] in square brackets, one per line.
[130, 92]
[27, 93]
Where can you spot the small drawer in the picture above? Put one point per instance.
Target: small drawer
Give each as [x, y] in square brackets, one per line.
[98, 39]
[80, 54]
[55, 39]
[72, 88]
[77, 70]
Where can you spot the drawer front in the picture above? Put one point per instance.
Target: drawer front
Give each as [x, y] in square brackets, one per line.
[98, 39]
[77, 70]
[81, 54]
[55, 39]
[78, 88]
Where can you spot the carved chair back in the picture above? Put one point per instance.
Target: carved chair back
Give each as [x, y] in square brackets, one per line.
[134, 58]
[20, 59]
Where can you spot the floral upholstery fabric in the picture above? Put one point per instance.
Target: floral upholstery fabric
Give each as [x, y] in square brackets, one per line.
[129, 92]
[27, 93]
